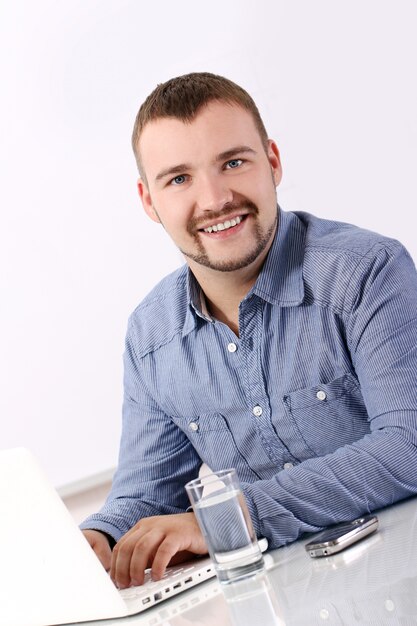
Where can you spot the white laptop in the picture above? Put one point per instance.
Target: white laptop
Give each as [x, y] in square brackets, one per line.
[49, 575]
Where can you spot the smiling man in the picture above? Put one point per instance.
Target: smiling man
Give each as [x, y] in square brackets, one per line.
[211, 183]
[285, 347]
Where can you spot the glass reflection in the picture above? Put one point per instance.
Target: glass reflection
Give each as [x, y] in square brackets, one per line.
[253, 601]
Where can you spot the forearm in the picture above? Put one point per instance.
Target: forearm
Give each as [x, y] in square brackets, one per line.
[119, 515]
[372, 473]
[146, 488]
[380, 326]
[155, 461]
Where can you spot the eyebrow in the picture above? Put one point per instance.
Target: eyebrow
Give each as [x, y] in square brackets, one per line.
[170, 171]
[228, 154]
[223, 156]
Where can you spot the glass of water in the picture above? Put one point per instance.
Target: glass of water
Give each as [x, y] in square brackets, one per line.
[223, 517]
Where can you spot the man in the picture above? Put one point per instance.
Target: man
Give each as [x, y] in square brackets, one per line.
[285, 347]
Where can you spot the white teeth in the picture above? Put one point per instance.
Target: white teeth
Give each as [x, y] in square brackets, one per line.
[223, 225]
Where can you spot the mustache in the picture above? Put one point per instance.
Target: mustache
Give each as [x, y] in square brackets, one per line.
[245, 205]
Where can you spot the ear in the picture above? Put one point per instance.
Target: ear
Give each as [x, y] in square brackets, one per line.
[146, 199]
[275, 161]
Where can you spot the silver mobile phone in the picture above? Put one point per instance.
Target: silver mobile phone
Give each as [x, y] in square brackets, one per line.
[339, 537]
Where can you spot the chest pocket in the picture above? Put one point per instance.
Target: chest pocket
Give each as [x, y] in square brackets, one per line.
[213, 440]
[328, 416]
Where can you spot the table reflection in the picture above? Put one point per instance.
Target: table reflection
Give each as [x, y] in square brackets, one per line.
[372, 582]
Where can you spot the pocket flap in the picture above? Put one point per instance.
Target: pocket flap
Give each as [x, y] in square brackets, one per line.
[201, 423]
[325, 392]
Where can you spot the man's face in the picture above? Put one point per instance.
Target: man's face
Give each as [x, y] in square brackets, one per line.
[211, 183]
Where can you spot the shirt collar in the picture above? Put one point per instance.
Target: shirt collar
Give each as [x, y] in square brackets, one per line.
[280, 280]
[196, 305]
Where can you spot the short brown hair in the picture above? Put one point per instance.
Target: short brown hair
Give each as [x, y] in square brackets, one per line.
[182, 98]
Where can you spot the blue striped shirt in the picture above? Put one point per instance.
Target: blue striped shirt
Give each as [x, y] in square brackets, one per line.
[314, 404]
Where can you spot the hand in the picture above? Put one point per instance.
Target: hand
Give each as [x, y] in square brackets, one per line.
[100, 544]
[157, 542]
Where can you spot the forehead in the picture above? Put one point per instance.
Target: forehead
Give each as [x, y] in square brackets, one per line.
[218, 127]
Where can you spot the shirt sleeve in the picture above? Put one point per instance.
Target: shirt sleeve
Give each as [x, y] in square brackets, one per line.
[381, 468]
[155, 461]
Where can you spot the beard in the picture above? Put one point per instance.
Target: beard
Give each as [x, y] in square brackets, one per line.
[261, 238]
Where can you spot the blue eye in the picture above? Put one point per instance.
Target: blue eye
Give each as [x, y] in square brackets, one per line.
[178, 180]
[234, 163]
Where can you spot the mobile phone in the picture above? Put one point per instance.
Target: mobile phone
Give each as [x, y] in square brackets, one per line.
[339, 537]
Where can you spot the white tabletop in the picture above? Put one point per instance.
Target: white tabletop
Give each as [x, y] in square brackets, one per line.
[373, 582]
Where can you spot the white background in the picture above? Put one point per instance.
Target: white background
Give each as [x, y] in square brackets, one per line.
[335, 82]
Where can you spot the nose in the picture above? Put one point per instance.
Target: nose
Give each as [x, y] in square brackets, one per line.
[212, 193]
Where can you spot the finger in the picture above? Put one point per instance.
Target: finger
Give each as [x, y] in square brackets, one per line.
[166, 550]
[120, 562]
[142, 557]
[144, 553]
[131, 557]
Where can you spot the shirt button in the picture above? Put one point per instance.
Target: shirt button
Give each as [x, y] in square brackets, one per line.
[257, 410]
[321, 395]
[288, 465]
[193, 426]
[232, 347]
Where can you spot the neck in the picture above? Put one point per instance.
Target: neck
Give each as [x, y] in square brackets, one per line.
[224, 291]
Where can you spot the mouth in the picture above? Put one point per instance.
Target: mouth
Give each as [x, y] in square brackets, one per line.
[228, 224]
